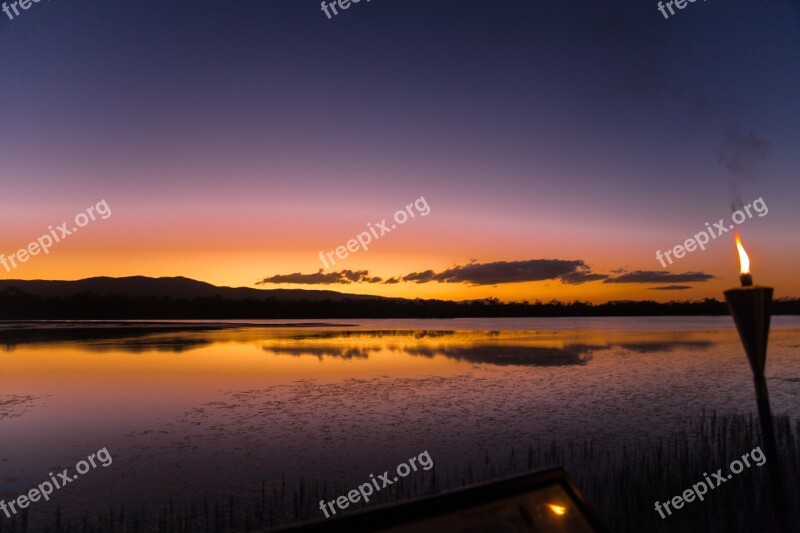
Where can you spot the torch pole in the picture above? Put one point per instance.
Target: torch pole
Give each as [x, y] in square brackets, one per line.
[750, 309]
[779, 501]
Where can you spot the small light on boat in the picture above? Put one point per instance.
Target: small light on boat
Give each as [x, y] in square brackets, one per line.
[557, 509]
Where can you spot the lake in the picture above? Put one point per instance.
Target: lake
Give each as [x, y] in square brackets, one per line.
[189, 413]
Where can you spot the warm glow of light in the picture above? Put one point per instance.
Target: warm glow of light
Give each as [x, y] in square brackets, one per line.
[557, 509]
[744, 260]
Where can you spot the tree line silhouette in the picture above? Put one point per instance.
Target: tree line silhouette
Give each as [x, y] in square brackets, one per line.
[19, 305]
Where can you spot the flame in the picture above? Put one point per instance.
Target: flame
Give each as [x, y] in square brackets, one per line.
[557, 509]
[744, 260]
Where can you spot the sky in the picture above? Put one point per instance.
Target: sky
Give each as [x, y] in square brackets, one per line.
[555, 147]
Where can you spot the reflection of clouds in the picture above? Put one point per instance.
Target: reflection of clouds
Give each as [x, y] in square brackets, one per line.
[477, 346]
[664, 346]
[496, 354]
[148, 344]
[484, 349]
[361, 351]
[343, 352]
[377, 334]
[505, 354]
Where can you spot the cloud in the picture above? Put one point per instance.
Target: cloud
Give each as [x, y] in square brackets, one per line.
[578, 277]
[573, 272]
[420, 277]
[656, 276]
[671, 288]
[342, 277]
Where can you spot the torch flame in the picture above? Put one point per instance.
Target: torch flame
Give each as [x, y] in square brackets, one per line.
[744, 260]
[557, 509]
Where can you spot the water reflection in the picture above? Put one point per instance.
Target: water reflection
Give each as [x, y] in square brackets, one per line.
[647, 347]
[173, 344]
[571, 354]
[322, 352]
[524, 348]
[487, 347]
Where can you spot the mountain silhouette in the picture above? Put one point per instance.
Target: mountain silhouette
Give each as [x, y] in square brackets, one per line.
[167, 287]
[178, 298]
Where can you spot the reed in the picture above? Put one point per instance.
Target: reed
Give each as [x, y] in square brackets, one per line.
[623, 482]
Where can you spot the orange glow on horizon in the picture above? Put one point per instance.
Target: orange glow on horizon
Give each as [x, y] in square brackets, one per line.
[241, 256]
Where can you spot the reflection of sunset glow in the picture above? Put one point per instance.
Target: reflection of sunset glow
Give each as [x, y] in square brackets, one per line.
[557, 509]
[744, 260]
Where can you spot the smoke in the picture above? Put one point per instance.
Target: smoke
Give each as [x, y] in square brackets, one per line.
[741, 152]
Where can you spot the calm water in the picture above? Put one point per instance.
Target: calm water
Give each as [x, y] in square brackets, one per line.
[217, 412]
